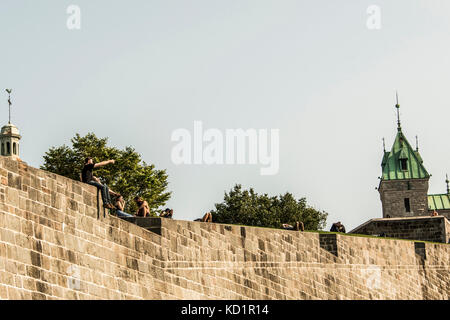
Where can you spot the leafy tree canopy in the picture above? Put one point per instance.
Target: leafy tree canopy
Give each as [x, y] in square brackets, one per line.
[246, 207]
[129, 175]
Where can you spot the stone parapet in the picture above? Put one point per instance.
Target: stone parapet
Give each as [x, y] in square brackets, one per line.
[435, 229]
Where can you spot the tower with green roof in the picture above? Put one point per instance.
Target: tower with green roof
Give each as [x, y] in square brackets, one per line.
[404, 182]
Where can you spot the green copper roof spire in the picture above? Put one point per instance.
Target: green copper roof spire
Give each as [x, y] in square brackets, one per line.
[402, 162]
[399, 128]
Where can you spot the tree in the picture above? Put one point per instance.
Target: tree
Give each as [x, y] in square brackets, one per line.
[129, 175]
[246, 207]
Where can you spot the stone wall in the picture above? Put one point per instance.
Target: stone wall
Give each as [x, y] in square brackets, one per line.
[447, 230]
[434, 229]
[394, 192]
[55, 245]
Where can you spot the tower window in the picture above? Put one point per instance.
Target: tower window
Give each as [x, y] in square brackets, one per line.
[8, 148]
[407, 205]
[3, 149]
[404, 164]
[14, 148]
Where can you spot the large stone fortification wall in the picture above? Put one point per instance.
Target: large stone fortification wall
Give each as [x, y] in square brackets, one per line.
[53, 245]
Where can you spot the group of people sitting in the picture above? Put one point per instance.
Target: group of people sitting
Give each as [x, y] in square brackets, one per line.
[87, 176]
[114, 200]
[143, 210]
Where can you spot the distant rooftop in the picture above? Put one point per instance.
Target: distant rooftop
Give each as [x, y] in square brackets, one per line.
[439, 201]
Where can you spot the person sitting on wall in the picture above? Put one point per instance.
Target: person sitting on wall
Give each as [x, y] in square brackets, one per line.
[88, 177]
[341, 228]
[120, 205]
[337, 227]
[334, 227]
[143, 208]
[207, 217]
[299, 226]
[168, 213]
[434, 213]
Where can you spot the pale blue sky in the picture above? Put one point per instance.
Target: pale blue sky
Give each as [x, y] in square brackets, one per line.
[137, 70]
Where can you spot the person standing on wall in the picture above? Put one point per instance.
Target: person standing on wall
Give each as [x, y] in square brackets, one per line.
[88, 177]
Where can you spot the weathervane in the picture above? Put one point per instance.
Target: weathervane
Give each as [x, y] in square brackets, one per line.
[10, 103]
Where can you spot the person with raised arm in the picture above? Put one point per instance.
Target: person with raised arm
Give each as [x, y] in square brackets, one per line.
[88, 177]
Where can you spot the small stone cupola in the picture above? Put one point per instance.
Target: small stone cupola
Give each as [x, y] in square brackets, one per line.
[9, 141]
[10, 136]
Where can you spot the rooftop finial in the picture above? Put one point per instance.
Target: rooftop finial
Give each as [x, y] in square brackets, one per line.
[384, 145]
[447, 182]
[417, 143]
[10, 103]
[399, 128]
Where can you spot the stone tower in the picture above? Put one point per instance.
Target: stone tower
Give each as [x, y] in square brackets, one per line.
[404, 182]
[9, 140]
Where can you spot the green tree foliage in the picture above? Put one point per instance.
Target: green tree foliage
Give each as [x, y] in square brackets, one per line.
[246, 207]
[129, 175]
